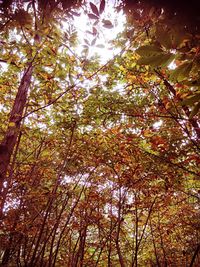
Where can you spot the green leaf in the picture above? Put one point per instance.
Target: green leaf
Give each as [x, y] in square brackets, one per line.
[177, 37]
[195, 110]
[61, 74]
[148, 50]
[191, 100]
[158, 60]
[181, 72]
[163, 37]
[170, 38]
[194, 83]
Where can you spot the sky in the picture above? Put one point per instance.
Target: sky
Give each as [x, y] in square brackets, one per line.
[103, 46]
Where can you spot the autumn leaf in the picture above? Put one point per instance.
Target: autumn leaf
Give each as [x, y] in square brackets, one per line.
[94, 9]
[102, 6]
[92, 16]
[99, 160]
[107, 24]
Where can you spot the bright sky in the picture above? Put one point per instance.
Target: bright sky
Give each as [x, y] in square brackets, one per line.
[84, 25]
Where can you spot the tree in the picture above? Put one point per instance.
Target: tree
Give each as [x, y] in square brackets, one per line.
[99, 162]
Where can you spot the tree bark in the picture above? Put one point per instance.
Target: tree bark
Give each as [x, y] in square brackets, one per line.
[10, 139]
[195, 255]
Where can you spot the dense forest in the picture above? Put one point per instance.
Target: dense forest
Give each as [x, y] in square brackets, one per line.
[99, 134]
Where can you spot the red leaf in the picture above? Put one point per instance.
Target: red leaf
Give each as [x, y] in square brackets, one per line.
[75, 13]
[94, 9]
[94, 31]
[107, 24]
[102, 6]
[92, 16]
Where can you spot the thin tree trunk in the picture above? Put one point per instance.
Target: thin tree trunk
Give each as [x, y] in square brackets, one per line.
[136, 233]
[10, 174]
[121, 259]
[9, 249]
[154, 245]
[10, 139]
[82, 246]
[195, 255]
[165, 263]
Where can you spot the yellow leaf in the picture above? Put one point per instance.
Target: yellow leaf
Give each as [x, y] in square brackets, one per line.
[11, 124]
[147, 133]
[46, 30]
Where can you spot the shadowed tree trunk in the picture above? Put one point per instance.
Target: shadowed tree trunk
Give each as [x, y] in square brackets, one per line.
[10, 138]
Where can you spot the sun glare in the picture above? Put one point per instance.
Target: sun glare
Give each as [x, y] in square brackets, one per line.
[96, 39]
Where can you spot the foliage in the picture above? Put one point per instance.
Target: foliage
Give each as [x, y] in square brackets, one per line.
[99, 163]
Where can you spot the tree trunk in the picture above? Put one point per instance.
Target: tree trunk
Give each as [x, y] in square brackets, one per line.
[195, 255]
[9, 141]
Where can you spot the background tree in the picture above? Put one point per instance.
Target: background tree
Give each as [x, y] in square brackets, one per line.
[99, 162]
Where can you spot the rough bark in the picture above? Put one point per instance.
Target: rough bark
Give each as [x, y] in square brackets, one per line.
[10, 138]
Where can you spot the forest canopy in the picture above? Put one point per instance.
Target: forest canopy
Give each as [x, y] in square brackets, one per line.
[99, 133]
